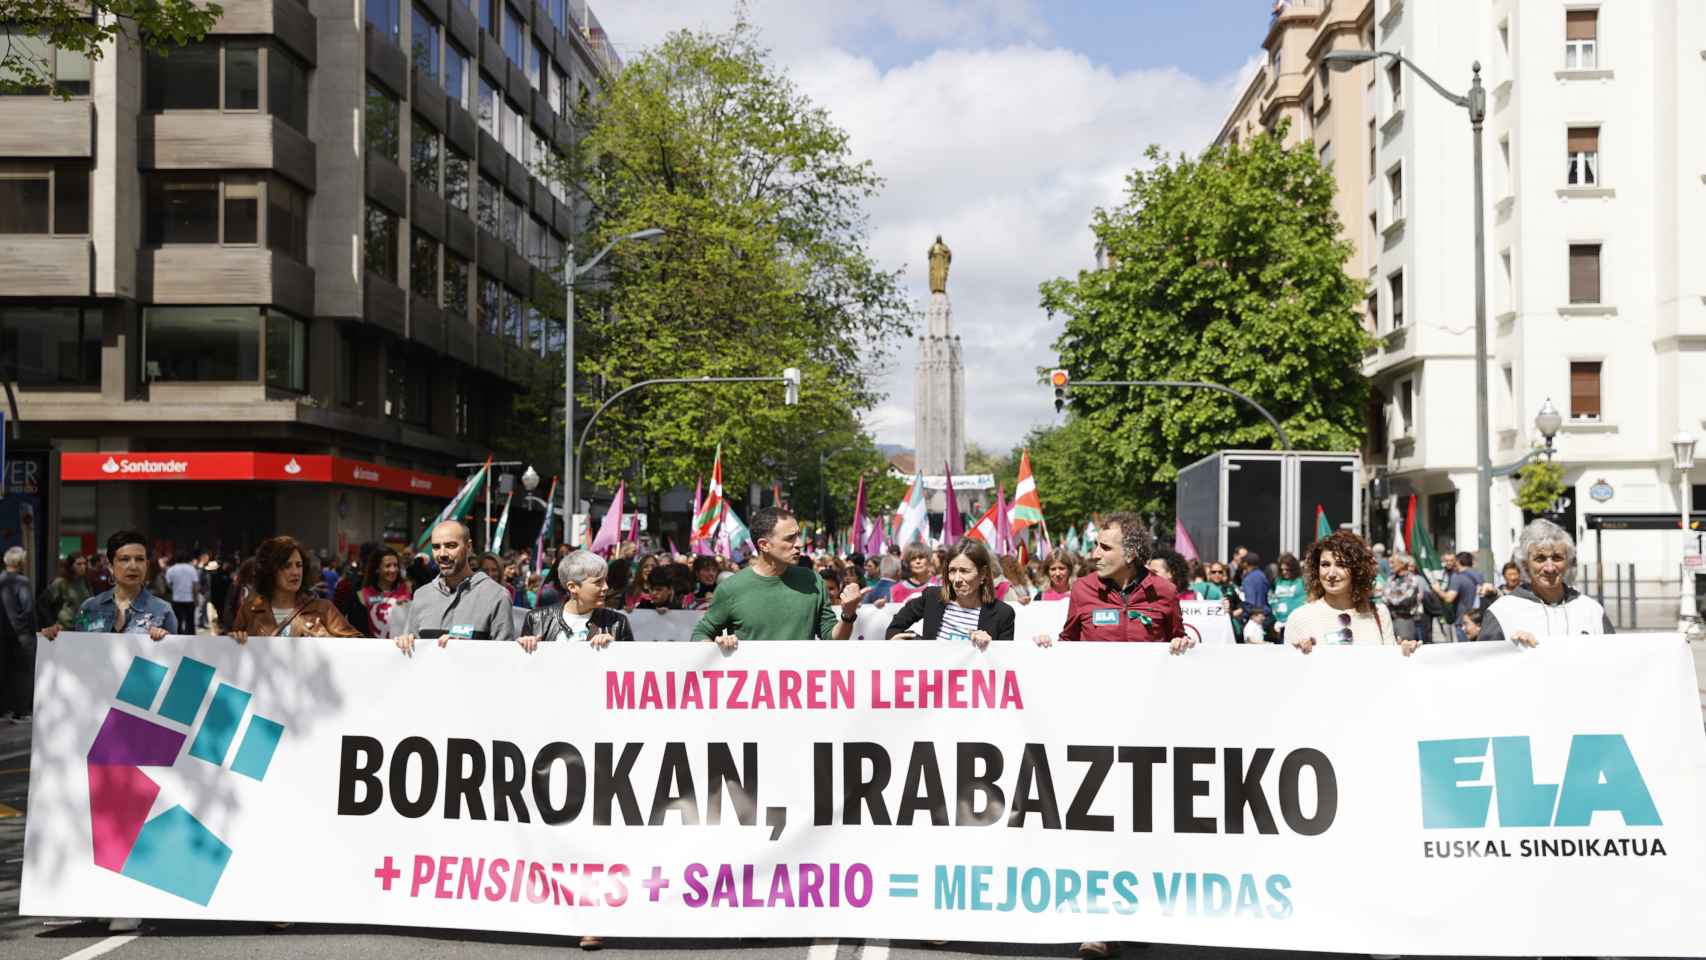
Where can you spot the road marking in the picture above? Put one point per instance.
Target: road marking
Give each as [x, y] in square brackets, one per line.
[27, 769]
[823, 949]
[104, 947]
[875, 950]
[15, 755]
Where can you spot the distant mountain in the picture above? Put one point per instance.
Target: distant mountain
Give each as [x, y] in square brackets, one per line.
[890, 449]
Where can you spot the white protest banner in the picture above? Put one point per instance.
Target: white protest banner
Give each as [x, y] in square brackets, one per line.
[648, 625]
[1472, 799]
[1207, 620]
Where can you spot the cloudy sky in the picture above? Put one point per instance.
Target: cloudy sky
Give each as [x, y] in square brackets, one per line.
[1000, 124]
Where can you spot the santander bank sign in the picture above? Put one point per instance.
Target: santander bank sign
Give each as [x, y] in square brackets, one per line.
[251, 465]
[113, 466]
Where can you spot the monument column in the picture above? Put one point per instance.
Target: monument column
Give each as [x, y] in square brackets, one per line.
[939, 411]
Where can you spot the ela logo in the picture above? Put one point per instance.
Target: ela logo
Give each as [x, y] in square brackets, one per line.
[173, 851]
[1600, 774]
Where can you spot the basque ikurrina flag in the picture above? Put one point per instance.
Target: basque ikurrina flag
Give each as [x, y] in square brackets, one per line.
[912, 515]
[987, 528]
[1027, 508]
[711, 511]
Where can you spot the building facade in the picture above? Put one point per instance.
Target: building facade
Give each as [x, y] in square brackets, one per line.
[1593, 170]
[311, 241]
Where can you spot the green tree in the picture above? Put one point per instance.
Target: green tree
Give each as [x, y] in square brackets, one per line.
[1228, 268]
[1539, 485]
[763, 265]
[88, 27]
[1073, 480]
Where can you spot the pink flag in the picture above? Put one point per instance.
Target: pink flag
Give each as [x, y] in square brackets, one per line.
[1182, 541]
[634, 528]
[1004, 532]
[875, 543]
[1044, 548]
[953, 528]
[858, 516]
[610, 531]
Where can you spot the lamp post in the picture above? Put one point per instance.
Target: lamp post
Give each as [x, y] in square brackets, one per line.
[572, 273]
[1476, 104]
[1548, 421]
[1682, 455]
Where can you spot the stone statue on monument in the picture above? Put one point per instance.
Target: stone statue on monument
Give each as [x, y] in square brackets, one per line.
[940, 257]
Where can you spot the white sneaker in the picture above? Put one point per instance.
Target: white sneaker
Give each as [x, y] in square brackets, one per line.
[124, 925]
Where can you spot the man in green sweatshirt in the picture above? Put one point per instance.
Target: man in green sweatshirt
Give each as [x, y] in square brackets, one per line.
[773, 598]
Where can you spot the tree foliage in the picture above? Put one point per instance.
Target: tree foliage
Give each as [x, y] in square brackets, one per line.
[763, 265]
[1539, 485]
[88, 27]
[1228, 268]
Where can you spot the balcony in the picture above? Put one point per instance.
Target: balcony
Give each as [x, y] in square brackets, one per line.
[46, 127]
[288, 20]
[206, 273]
[42, 266]
[210, 140]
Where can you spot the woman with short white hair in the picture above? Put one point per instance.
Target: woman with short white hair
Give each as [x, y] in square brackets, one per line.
[582, 614]
[1545, 605]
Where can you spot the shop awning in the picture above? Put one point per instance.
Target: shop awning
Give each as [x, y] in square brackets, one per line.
[251, 465]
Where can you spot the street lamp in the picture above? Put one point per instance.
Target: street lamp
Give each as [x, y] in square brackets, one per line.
[1682, 456]
[572, 273]
[1476, 104]
[1548, 421]
[530, 479]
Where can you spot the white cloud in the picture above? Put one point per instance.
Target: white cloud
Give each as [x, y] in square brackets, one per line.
[994, 139]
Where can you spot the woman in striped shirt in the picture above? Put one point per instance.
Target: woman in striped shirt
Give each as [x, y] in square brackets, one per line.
[964, 608]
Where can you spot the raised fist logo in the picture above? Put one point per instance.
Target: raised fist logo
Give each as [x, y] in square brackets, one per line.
[173, 851]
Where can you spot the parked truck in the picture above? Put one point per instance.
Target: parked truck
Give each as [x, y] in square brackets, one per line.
[1266, 500]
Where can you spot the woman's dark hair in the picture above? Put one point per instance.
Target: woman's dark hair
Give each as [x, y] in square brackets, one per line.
[703, 563]
[125, 538]
[616, 575]
[661, 576]
[978, 554]
[1289, 558]
[370, 570]
[1353, 554]
[1177, 572]
[270, 558]
[68, 567]
[1510, 566]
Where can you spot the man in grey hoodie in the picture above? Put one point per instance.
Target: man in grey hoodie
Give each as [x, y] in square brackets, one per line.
[462, 603]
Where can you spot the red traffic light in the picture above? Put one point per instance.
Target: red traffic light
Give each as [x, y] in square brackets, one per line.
[1058, 379]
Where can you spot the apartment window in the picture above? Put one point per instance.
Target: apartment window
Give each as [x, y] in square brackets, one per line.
[456, 73]
[242, 77]
[380, 249]
[560, 15]
[1583, 156]
[287, 218]
[1326, 154]
[1581, 39]
[50, 346]
[488, 16]
[286, 352]
[384, 17]
[1372, 317]
[512, 330]
[490, 213]
[1395, 83]
[423, 38]
[455, 286]
[510, 127]
[1395, 290]
[1584, 389]
[487, 304]
[1584, 273]
[488, 104]
[1407, 406]
[536, 234]
[202, 344]
[1372, 143]
[456, 172]
[423, 267]
[44, 198]
[241, 210]
[1395, 190]
[233, 76]
[383, 135]
[512, 215]
[68, 71]
[565, 105]
[537, 72]
[535, 342]
[424, 147]
[554, 88]
[228, 209]
[1505, 186]
[1373, 235]
[287, 88]
[1507, 282]
[185, 79]
[1274, 61]
[408, 387]
[515, 36]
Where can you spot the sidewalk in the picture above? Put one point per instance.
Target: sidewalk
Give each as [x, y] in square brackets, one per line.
[14, 792]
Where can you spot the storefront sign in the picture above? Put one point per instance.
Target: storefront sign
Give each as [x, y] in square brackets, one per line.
[252, 465]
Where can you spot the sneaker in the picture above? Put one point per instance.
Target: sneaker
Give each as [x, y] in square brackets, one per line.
[124, 925]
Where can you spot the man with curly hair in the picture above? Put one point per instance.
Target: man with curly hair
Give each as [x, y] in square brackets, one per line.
[1122, 600]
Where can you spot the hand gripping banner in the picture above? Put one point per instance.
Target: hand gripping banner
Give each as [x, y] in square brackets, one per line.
[1472, 799]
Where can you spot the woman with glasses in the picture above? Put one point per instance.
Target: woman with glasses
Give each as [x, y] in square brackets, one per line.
[1338, 574]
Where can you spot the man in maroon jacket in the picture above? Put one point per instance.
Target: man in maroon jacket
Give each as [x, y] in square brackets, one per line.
[1122, 601]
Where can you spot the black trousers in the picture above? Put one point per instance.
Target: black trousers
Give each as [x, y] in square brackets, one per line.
[17, 675]
[186, 617]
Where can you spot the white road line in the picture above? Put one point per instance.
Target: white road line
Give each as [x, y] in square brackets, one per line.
[875, 950]
[823, 949]
[15, 754]
[104, 947]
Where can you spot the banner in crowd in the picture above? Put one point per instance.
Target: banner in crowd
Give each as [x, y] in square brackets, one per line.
[1473, 799]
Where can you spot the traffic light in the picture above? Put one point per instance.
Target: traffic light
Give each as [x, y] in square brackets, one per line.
[791, 386]
[1059, 379]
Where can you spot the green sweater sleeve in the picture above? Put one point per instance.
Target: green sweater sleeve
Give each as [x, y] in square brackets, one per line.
[827, 615]
[720, 614]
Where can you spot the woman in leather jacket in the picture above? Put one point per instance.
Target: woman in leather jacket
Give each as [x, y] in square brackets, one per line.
[582, 614]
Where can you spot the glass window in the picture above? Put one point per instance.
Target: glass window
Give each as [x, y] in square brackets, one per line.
[382, 123]
[50, 346]
[242, 213]
[287, 219]
[218, 344]
[537, 72]
[484, 9]
[182, 210]
[242, 77]
[68, 71]
[488, 104]
[515, 36]
[512, 221]
[490, 214]
[24, 206]
[423, 267]
[383, 15]
[456, 171]
[516, 142]
[185, 79]
[488, 306]
[287, 88]
[381, 246]
[512, 316]
[423, 155]
[456, 73]
[455, 286]
[72, 72]
[535, 330]
[71, 197]
[554, 90]
[344, 370]
[560, 15]
[423, 38]
[287, 352]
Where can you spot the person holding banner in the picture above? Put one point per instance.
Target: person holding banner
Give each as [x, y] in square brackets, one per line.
[1547, 606]
[1123, 600]
[282, 605]
[964, 609]
[582, 615]
[128, 607]
[460, 603]
[1338, 575]
[775, 598]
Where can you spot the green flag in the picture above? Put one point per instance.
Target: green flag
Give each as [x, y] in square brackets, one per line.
[459, 505]
[1421, 545]
[497, 543]
[1323, 529]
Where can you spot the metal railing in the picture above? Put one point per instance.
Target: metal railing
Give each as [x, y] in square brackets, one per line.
[1635, 596]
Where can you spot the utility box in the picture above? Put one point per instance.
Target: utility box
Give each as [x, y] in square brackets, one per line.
[1266, 500]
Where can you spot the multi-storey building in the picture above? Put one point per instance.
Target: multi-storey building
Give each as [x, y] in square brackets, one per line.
[1592, 166]
[298, 256]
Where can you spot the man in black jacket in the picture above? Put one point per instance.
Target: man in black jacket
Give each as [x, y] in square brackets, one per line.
[17, 637]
